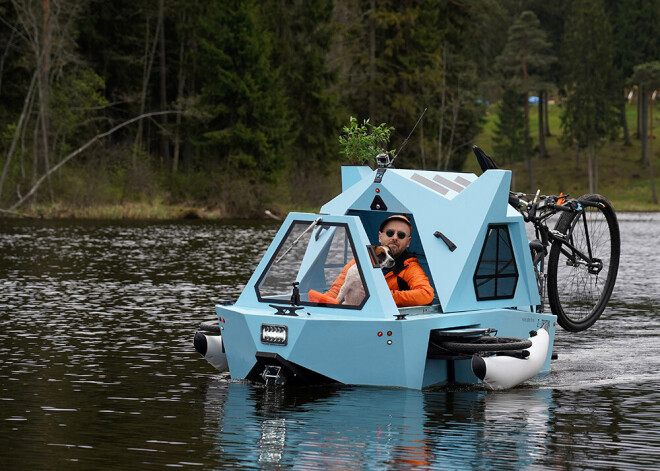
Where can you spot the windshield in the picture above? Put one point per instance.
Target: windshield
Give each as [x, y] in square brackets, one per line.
[314, 253]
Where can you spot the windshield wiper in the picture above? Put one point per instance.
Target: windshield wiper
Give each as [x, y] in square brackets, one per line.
[295, 242]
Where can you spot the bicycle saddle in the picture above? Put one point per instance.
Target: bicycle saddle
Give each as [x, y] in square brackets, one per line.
[485, 162]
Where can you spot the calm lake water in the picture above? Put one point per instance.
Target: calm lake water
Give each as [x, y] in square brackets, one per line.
[98, 371]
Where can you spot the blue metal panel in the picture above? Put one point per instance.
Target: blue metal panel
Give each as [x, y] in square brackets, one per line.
[351, 174]
[435, 372]
[238, 339]
[340, 203]
[349, 349]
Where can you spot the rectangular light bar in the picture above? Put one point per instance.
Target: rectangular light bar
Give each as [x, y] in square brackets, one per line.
[274, 334]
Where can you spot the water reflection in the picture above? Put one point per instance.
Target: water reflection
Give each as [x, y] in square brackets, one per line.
[377, 428]
[373, 428]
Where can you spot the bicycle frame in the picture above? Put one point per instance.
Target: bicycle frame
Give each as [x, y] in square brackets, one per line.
[537, 213]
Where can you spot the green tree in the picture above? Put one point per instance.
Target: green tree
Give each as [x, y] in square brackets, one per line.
[120, 40]
[451, 87]
[302, 38]
[60, 101]
[624, 28]
[552, 17]
[636, 25]
[647, 77]
[511, 141]
[398, 58]
[589, 112]
[362, 143]
[523, 61]
[246, 118]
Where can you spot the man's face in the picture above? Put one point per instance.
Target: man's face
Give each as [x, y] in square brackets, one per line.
[395, 244]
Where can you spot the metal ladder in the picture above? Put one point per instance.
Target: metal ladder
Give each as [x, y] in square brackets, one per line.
[272, 375]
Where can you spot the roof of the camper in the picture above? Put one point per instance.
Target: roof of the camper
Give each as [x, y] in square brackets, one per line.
[406, 190]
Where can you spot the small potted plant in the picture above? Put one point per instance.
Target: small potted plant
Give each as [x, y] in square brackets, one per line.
[361, 144]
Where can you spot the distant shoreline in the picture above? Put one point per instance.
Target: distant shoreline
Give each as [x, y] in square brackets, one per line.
[159, 212]
[137, 211]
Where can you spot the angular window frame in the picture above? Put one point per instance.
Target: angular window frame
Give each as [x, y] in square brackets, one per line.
[503, 244]
[282, 243]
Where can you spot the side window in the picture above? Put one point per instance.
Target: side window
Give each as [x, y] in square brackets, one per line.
[313, 256]
[496, 275]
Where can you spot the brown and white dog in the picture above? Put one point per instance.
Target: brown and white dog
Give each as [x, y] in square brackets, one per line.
[352, 291]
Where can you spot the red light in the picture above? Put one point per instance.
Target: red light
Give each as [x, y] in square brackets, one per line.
[377, 190]
[380, 334]
[389, 333]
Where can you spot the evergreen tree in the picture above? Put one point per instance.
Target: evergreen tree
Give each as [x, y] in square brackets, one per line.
[401, 57]
[647, 77]
[511, 141]
[589, 113]
[552, 17]
[303, 33]
[451, 34]
[116, 39]
[246, 121]
[523, 61]
[636, 26]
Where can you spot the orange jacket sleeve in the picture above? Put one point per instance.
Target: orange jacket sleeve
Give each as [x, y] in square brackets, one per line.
[420, 292]
[339, 282]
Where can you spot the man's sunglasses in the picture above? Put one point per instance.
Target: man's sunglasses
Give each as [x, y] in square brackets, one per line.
[400, 234]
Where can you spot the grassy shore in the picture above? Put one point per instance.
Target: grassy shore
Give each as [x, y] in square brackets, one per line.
[146, 210]
[143, 211]
[622, 178]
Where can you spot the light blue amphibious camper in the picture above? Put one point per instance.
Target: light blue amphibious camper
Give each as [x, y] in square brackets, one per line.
[471, 244]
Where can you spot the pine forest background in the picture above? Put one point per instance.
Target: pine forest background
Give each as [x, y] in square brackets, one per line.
[233, 107]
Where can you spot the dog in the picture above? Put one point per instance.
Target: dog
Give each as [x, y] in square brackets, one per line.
[352, 291]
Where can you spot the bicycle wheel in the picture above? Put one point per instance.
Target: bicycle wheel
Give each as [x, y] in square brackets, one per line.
[578, 291]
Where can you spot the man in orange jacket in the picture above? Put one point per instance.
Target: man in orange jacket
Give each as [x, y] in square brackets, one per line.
[407, 281]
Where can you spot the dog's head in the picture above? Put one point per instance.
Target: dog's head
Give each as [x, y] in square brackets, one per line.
[383, 257]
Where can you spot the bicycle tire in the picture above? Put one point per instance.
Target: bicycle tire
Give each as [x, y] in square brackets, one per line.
[485, 344]
[576, 296]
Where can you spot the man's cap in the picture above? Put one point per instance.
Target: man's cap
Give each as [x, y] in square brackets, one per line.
[399, 217]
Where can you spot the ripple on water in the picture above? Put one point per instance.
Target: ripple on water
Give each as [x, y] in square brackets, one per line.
[96, 363]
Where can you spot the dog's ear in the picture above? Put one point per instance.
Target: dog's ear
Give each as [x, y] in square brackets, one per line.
[375, 253]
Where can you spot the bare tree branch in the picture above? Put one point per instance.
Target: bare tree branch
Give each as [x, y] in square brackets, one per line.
[26, 107]
[146, 74]
[14, 213]
[80, 149]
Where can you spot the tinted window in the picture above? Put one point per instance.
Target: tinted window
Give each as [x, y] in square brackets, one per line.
[496, 275]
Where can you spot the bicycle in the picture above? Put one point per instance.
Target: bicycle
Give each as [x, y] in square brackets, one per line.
[585, 246]
[584, 254]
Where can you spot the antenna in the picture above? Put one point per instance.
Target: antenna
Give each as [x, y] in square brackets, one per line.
[389, 164]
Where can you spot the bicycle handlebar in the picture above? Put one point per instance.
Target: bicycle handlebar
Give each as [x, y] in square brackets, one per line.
[528, 205]
[561, 207]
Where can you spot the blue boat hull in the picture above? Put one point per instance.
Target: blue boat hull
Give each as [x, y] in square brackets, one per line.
[363, 351]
